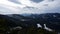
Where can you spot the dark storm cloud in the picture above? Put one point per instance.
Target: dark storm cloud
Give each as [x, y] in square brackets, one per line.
[15, 1]
[37, 1]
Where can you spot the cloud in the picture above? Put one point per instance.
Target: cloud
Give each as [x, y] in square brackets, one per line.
[15, 1]
[51, 0]
[27, 6]
[47, 6]
[5, 9]
[6, 2]
[37, 1]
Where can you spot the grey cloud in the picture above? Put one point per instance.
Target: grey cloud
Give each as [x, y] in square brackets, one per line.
[15, 1]
[51, 0]
[37, 1]
[45, 4]
[35, 10]
[54, 10]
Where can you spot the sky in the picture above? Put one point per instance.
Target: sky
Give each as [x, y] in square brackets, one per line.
[29, 6]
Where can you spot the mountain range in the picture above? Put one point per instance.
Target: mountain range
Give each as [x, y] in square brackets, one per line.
[52, 20]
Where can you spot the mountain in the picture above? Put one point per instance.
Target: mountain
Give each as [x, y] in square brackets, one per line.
[52, 20]
[24, 20]
[8, 21]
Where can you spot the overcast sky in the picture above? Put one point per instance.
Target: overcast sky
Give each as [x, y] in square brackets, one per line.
[29, 6]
